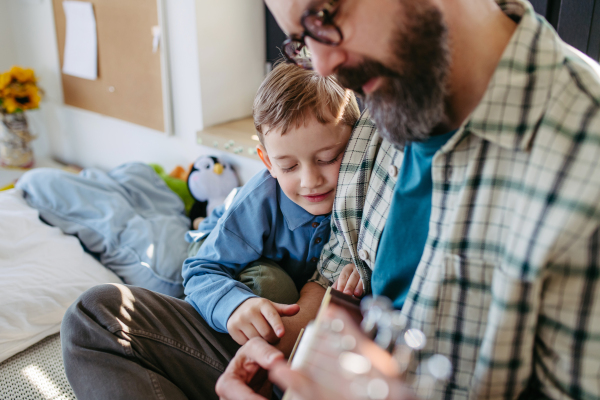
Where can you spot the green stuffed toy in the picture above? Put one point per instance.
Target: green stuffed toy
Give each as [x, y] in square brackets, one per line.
[178, 185]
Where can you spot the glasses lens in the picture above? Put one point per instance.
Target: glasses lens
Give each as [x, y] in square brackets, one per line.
[323, 32]
[292, 48]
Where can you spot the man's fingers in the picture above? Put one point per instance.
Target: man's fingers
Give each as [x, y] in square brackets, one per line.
[261, 352]
[230, 387]
[352, 282]
[255, 354]
[286, 378]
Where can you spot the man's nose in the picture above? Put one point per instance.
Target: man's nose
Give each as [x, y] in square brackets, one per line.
[325, 59]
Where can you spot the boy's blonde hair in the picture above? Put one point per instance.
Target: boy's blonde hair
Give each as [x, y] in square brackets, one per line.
[290, 95]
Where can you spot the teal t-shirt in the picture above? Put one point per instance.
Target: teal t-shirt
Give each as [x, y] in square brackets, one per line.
[405, 233]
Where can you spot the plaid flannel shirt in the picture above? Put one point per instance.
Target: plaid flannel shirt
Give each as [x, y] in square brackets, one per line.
[508, 284]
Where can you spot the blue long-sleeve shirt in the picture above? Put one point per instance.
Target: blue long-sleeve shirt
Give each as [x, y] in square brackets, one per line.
[261, 222]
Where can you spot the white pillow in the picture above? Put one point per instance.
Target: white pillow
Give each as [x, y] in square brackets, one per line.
[42, 272]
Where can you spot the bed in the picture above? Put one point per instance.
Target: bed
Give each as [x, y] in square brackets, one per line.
[42, 271]
[52, 250]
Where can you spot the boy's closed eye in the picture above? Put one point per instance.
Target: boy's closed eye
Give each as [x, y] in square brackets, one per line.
[325, 161]
[331, 161]
[289, 169]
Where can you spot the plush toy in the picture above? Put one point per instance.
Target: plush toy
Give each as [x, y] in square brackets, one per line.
[210, 181]
[177, 182]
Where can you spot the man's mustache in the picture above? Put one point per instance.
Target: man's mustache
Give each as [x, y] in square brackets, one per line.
[354, 78]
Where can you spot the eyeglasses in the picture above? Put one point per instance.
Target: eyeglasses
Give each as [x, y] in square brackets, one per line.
[317, 25]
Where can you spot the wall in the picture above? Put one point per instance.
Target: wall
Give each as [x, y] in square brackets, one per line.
[93, 140]
[232, 47]
[7, 48]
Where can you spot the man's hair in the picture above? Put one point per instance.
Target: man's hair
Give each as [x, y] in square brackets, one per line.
[289, 96]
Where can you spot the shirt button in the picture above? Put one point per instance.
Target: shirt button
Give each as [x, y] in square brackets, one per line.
[315, 224]
[314, 260]
[393, 171]
[363, 255]
[318, 240]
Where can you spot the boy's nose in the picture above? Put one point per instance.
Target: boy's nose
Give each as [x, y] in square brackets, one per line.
[311, 178]
[325, 59]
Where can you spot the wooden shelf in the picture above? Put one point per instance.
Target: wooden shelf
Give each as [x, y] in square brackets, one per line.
[236, 137]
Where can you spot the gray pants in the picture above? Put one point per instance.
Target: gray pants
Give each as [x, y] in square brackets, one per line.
[125, 342]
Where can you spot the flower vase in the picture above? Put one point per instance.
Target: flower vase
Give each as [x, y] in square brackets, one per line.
[15, 149]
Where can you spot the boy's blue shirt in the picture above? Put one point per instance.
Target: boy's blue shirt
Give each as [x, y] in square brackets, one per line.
[261, 222]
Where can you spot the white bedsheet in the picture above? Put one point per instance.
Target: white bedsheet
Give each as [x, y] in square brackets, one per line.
[42, 271]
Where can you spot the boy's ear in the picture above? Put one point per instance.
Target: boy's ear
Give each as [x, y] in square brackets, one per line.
[264, 156]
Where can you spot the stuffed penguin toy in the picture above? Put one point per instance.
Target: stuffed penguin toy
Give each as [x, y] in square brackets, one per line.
[210, 181]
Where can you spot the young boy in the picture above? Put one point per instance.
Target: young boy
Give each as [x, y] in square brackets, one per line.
[281, 217]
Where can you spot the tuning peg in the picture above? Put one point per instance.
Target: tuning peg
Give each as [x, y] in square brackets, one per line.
[373, 310]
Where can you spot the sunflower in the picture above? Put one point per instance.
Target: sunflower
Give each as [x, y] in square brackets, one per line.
[23, 75]
[5, 80]
[10, 105]
[19, 91]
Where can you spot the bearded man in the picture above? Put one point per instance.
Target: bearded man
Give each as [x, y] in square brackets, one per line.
[476, 206]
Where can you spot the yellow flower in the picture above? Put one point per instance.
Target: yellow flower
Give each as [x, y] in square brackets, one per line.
[28, 97]
[10, 105]
[23, 75]
[5, 80]
[34, 96]
[18, 90]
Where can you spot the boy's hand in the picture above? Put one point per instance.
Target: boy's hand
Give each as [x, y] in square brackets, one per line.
[258, 317]
[349, 281]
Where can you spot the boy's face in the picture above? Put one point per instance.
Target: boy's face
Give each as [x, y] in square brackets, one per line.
[306, 162]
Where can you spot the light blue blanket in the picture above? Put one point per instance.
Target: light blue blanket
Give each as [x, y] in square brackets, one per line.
[128, 217]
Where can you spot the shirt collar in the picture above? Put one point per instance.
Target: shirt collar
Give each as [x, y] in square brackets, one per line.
[294, 215]
[517, 96]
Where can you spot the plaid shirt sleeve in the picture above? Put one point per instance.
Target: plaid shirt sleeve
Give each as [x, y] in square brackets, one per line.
[352, 186]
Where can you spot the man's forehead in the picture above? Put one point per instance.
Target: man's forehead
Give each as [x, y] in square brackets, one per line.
[288, 12]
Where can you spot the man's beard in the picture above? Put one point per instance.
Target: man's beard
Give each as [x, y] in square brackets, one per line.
[410, 102]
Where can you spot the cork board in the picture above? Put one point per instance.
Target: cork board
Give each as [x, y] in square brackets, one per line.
[130, 75]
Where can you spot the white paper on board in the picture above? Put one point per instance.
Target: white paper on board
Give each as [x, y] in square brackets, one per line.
[81, 43]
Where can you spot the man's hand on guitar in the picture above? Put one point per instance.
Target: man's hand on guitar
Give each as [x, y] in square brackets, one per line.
[258, 317]
[349, 281]
[246, 375]
[340, 362]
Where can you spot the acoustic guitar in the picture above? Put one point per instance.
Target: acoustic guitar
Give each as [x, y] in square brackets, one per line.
[333, 352]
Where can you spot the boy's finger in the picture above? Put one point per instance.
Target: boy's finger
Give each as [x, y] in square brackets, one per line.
[340, 283]
[286, 310]
[271, 314]
[250, 331]
[346, 272]
[264, 329]
[238, 336]
[359, 289]
[352, 282]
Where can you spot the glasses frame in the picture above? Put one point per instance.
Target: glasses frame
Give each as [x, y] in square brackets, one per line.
[326, 17]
